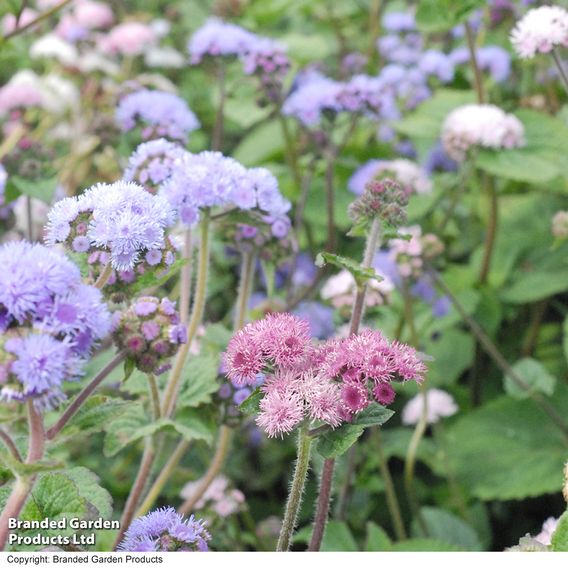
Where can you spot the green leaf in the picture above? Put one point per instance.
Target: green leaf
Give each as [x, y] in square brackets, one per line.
[539, 160]
[447, 527]
[377, 539]
[560, 537]
[199, 381]
[133, 426]
[336, 442]
[251, 403]
[129, 367]
[262, 142]
[72, 493]
[536, 377]
[360, 273]
[442, 15]
[508, 449]
[27, 469]
[94, 416]
[453, 353]
[374, 415]
[43, 190]
[338, 537]
[423, 545]
[533, 286]
[426, 121]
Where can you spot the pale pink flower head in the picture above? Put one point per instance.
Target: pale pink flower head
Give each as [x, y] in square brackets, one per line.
[285, 339]
[22, 91]
[440, 404]
[128, 39]
[540, 31]
[244, 358]
[280, 412]
[93, 15]
[340, 290]
[9, 21]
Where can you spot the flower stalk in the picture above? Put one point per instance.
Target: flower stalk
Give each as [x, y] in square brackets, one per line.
[296, 491]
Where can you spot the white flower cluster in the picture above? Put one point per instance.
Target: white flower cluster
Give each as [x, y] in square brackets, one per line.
[485, 126]
[540, 31]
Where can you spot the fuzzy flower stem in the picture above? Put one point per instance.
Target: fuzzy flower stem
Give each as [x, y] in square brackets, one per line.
[170, 395]
[13, 507]
[560, 68]
[217, 138]
[162, 478]
[296, 491]
[330, 203]
[104, 276]
[225, 433]
[145, 466]
[136, 491]
[491, 228]
[23, 485]
[291, 153]
[322, 507]
[370, 249]
[43, 16]
[390, 492]
[492, 350]
[474, 64]
[410, 461]
[84, 394]
[186, 272]
[9, 443]
[223, 445]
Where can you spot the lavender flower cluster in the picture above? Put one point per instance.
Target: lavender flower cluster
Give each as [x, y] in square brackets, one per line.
[49, 320]
[209, 179]
[260, 56]
[164, 530]
[121, 219]
[158, 113]
[330, 382]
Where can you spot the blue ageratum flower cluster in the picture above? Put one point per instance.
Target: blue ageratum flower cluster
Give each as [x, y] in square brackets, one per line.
[165, 530]
[49, 321]
[121, 219]
[158, 113]
[316, 96]
[209, 179]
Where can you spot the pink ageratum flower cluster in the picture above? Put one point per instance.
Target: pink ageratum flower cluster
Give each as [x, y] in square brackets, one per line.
[329, 382]
[540, 31]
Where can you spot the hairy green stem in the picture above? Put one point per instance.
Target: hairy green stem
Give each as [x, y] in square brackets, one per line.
[217, 138]
[560, 67]
[43, 16]
[296, 491]
[491, 227]
[172, 388]
[163, 478]
[23, 485]
[225, 433]
[322, 507]
[223, 445]
[478, 79]
[186, 273]
[390, 492]
[410, 461]
[104, 276]
[80, 399]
